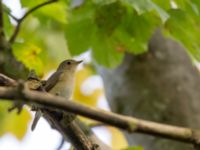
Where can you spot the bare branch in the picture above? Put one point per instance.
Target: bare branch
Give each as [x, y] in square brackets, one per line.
[129, 124]
[6, 81]
[19, 21]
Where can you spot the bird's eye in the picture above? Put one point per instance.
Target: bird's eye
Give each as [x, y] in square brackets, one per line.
[68, 62]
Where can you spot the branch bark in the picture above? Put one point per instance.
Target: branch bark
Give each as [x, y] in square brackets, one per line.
[129, 124]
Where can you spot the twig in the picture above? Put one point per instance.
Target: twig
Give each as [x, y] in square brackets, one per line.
[10, 14]
[6, 81]
[19, 21]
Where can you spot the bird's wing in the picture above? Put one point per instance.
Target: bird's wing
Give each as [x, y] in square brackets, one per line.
[50, 83]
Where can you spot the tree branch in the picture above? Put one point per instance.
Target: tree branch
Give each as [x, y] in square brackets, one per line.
[129, 124]
[10, 14]
[19, 21]
[70, 131]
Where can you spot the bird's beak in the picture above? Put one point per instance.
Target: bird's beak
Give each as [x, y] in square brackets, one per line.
[78, 62]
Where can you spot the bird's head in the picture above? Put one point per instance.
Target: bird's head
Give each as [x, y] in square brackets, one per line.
[69, 65]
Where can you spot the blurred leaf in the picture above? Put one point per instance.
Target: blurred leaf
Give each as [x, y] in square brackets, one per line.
[8, 27]
[118, 139]
[50, 40]
[184, 29]
[13, 123]
[106, 51]
[135, 31]
[163, 4]
[31, 3]
[143, 6]
[79, 95]
[28, 54]
[80, 29]
[49, 11]
[134, 148]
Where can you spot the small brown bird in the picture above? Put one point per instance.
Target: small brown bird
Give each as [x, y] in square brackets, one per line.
[61, 83]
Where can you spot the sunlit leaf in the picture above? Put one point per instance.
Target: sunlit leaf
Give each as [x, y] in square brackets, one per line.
[28, 54]
[50, 40]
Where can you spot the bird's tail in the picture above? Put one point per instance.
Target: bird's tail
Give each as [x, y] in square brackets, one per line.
[38, 114]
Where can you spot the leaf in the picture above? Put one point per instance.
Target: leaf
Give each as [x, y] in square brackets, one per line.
[143, 6]
[31, 3]
[80, 29]
[79, 95]
[134, 148]
[49, 11]
[28, 54]
[8, 27]
[13, 123]
[106, 51]
[135, 31]
[163, 4]
[51, 42]
[183, 28]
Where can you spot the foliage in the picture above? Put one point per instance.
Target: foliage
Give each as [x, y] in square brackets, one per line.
[109, 28]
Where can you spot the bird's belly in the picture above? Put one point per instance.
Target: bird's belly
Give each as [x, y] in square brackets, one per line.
[61, 89]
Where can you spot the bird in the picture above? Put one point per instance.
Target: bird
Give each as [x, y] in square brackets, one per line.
[60, 83]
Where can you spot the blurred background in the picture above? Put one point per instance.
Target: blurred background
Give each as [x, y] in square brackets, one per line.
[140, 59]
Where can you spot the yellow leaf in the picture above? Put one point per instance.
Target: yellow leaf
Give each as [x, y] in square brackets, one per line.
[29, 54]
[81, 97]
[118, 139]
[13, 123]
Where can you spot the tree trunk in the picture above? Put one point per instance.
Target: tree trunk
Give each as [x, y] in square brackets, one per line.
[161, 85]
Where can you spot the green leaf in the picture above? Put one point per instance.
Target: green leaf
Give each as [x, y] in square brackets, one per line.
[134, 148]
[182, 27]
[48, 12]
[52, 11]
[135, 31]
[31, 3]
[163, 4]
[142, 6]
[108, 17]
[80, 29]
[105, 52]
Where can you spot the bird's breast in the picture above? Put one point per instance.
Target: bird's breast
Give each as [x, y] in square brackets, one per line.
[63, 88]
